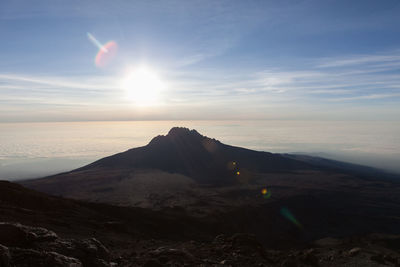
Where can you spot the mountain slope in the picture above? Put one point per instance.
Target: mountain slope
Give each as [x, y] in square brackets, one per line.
[204, 159]
[184, 168]
[181, 158]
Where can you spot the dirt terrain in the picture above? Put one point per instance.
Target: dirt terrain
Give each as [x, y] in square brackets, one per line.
[73, 233]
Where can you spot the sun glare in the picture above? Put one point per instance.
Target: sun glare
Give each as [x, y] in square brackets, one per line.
[143, 86]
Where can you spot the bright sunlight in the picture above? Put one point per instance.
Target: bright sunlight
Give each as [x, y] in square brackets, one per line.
[143, 86]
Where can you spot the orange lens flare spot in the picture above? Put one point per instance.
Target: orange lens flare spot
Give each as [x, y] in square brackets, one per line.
[106, 54]
[264, 191]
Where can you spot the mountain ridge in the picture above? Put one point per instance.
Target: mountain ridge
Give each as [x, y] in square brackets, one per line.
[205, 159]
[186, 169]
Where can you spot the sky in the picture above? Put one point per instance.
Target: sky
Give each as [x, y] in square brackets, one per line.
[199, 60]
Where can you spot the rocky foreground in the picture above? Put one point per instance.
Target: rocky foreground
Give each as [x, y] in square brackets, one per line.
[35, 246]
[23, 245]
[41, 230]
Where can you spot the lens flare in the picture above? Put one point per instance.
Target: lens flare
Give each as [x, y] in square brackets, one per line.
[96, 42]
[266, 193]
[231, 165]
[106, 54]
[288, 215]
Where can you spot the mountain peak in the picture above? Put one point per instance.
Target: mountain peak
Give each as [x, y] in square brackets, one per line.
[182, 131]
[178, 133]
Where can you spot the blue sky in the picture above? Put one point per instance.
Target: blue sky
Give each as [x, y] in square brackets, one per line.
[318, 60]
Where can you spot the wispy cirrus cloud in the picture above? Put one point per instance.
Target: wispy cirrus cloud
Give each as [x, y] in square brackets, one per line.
[362, 77]
[370, 96]
[359, 80]
[392, 59]
[88, 82]
[320, 83]
[25, 90]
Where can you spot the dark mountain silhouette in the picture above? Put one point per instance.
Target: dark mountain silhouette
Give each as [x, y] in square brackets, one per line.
[175, 170]
[174, 162]
[204, 159]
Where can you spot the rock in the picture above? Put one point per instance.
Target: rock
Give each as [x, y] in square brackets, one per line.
[18, 235]
[13, 235]
[219, 239]
[389, 258]
[93, 247]
[99, 263]
[90, 251]
[171, 253]
[4, 256]
[289, 263]
[24, 257]
[152, 263]
[30, 257]
[37, 246]
[246, 242]
[378, 258]
[327, 242]
[354, 251]
[226, 262]
[309, 258]
[55, 259]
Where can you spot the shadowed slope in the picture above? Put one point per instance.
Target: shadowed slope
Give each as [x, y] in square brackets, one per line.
[204, 159]
[173, 170]
[181, 158]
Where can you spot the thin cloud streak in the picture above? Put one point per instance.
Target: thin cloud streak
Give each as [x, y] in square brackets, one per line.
[369, 78]
[366, 97]
[94, 83]
[358, 79]
[360, 60]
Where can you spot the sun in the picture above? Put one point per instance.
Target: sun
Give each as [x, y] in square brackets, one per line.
[143, 86]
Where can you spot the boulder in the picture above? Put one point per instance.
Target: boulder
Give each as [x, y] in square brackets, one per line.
[152, 263]
[309, 258]
[354, 251]
[37, 246]
[18, 235]
[4, 256]
[246, 242]
[30, 257]
[172, 254]
[90, 251]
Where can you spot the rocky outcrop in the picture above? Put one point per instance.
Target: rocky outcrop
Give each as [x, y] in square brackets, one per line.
[4, 256]
[18, 235]
[31, 257]
[23, 245]
[90, 251]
